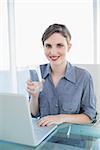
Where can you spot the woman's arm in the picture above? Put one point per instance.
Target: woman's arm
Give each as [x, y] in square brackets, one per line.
[34, 106]
[33, 89]
[65, 118]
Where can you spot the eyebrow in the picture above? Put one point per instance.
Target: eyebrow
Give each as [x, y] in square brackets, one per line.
[60, 44]
[48, 44]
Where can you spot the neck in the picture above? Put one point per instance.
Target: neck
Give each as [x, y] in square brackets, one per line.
[59, 69]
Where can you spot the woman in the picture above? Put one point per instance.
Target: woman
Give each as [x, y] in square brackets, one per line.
[68, 94]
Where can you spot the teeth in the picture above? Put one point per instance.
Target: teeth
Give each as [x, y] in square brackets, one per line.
[54, 58]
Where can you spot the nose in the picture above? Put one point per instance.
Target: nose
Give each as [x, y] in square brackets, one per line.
[53, 51]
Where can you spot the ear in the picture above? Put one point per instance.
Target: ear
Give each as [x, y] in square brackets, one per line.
[69, 46]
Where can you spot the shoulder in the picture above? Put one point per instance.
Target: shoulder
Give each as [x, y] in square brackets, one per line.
[81, 73]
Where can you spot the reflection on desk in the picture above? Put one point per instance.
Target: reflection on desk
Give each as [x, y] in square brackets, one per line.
[66, 137]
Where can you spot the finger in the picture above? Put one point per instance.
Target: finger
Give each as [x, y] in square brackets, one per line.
[29, 82]
[28, 90]
[35, 92]
[32, 86]
[45, 123]
[50, 123]
[43, 81]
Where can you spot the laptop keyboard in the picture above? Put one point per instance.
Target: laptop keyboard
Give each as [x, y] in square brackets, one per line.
[40, 129]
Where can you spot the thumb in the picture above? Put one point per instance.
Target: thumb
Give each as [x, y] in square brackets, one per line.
[43, 81]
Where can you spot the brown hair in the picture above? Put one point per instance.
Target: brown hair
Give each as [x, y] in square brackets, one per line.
[56, 28]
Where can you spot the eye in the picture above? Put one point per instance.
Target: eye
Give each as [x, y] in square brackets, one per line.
[60, 45]
[48, 45]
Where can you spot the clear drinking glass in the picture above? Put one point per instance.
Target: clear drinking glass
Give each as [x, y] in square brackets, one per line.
[35, 76]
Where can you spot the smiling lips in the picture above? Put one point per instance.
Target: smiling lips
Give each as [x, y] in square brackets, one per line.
[54, 58]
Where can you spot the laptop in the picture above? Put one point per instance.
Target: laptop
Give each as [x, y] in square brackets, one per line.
[16, 123]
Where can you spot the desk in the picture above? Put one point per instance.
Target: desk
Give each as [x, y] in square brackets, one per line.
[79, 137]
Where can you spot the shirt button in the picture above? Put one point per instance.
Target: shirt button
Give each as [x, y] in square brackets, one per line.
[56, 105]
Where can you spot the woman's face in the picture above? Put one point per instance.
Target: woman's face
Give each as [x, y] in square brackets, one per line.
[56, 48]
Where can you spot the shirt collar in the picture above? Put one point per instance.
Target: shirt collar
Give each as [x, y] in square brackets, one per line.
[69, 73]
[47, 71]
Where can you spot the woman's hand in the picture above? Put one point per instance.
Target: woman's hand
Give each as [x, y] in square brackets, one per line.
[64, 118]
[34, 87]
[50, 120]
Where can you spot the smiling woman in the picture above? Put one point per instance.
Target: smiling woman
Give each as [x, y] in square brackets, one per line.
[68, 93]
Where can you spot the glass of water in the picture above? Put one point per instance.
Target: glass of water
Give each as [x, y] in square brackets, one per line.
[36, 77]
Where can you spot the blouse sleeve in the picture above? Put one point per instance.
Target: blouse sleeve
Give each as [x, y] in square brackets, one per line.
[88, 103]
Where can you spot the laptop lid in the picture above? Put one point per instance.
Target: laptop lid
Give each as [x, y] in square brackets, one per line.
[17, 123]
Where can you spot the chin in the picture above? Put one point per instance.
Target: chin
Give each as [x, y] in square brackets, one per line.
[56, 63]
